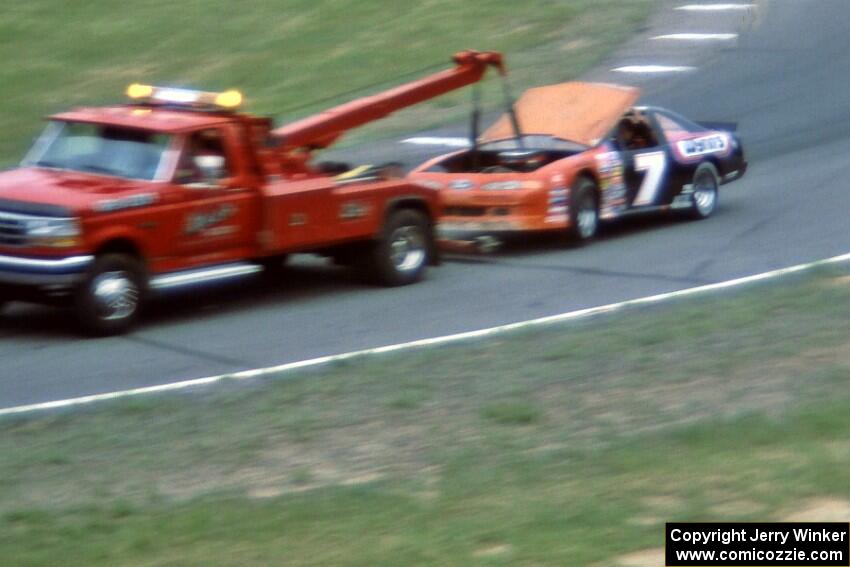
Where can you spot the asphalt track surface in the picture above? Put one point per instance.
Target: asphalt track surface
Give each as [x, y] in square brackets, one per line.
[784, 80]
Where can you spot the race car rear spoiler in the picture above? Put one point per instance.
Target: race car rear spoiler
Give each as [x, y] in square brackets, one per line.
[722, 126]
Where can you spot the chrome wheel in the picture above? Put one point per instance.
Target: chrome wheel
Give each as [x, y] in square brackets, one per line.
[408, 248]
[115, 295]
[704, 191]
[588, 217]
[705, 195]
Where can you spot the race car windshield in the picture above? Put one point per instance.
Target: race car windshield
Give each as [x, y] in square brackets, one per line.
[534, 142]
[102, 149]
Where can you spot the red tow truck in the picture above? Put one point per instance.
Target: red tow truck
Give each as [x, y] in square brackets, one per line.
[178, 187]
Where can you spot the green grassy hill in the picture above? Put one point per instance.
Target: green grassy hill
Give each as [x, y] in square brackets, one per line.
[284, 54]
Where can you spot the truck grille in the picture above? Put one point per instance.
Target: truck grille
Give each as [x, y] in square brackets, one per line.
[12, 229]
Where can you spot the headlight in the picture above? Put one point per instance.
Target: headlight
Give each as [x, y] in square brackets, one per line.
[53, 233]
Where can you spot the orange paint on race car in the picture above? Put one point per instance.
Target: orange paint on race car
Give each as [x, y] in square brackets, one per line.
[570, 119]
[578, 112]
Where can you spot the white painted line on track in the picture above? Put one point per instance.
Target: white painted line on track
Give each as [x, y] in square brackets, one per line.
[698, 36]
[437, 141]
[457, 337]
[653, 69]
[715, 7]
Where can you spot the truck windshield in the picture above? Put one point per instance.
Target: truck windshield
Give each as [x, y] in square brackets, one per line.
[98, 148]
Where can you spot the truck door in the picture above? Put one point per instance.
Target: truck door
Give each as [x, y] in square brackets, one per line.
[220, 216]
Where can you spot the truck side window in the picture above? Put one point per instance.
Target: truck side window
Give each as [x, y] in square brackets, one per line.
[204, 159]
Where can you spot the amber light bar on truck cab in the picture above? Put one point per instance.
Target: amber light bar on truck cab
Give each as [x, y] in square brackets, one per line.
[227, 100]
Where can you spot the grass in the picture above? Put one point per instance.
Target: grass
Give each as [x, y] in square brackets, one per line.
[569, 445]
[290, 57]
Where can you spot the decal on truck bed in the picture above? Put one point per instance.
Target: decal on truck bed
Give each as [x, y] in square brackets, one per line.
[353, 210]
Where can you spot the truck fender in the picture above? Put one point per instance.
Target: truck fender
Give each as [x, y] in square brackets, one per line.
[119, 239]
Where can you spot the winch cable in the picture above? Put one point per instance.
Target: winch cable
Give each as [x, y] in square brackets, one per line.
[474, 124]
[511, 110]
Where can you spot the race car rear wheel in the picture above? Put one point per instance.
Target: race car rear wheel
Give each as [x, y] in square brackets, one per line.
[108, 301]
[705, 184]
[584, 211]
[402, 253]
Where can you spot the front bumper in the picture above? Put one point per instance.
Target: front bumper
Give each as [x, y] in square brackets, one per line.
[43, 272]
[452, 227]
[736, 174]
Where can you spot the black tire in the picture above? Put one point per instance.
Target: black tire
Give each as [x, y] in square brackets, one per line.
[402, 253]
[706, 183]
[584, 211]
[274, 266]
[108, 301]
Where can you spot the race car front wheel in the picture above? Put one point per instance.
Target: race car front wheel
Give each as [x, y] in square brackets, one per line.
[584, 211]
[107, 302]
[705, 184]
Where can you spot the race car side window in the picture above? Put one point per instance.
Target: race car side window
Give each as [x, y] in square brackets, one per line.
[673, 130]
[635, 133]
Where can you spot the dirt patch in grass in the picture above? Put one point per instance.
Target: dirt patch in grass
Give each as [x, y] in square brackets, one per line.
[821, 510]
[645, 558]
[493, 551]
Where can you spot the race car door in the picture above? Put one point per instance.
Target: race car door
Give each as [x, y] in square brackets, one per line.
[647, 164]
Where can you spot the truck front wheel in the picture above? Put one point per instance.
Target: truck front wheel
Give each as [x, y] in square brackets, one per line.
[402, 254]
[107, 302]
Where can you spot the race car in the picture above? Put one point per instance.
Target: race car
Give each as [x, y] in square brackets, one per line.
[570, 155]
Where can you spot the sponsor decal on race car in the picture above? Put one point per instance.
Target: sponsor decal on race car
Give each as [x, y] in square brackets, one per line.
[557, 202]
[702, 146]
[612, 184]
[461, 184]
[558, 209]
[683, 201]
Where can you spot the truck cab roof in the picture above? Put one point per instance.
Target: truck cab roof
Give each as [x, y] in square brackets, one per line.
[159, 119]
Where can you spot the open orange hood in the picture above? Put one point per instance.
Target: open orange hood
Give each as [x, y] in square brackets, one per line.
[578, 112]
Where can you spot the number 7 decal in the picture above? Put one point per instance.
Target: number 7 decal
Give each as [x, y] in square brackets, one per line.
[654, 164]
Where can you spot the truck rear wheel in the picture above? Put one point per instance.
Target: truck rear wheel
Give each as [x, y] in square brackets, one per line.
[108, 301]
[403, 252]
[274, 266]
